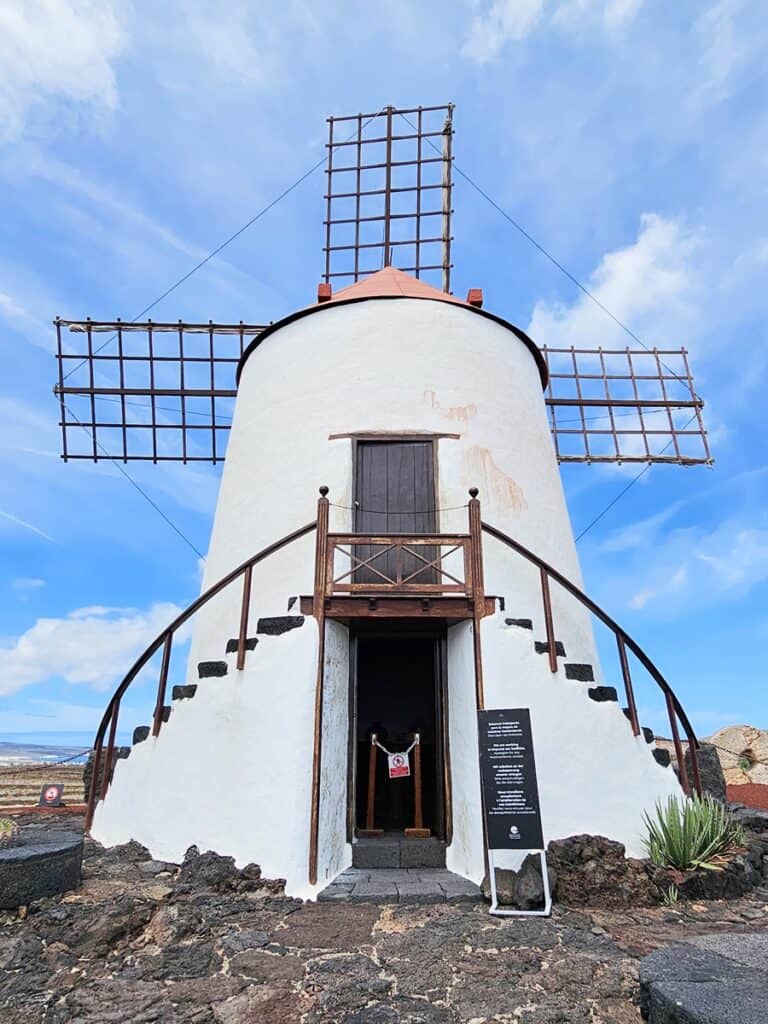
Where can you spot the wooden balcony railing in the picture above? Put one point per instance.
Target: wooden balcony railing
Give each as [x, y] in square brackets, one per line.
[422, 564]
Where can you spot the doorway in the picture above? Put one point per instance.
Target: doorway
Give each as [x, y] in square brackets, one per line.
[397, 689]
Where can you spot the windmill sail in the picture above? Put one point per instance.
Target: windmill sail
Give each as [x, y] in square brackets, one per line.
[164, 392]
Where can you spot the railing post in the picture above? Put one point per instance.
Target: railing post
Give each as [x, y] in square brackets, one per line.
[478, 589]
[161, 685]
[244, 610]
[693, 747]
[370, 820]
[548, 623]
[418, 831]
[631, 706]
[321, 563]
[679, 753]
[91, 807]
[107, 776]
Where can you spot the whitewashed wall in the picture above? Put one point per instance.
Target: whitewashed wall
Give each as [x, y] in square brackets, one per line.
[232, 769]
[382, 365]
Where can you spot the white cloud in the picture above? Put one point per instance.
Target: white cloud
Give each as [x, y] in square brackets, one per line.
[728, 45]
[694, 566]
[504, 21]
[16, 521]
[57, 50]
[513, 20]
[92, 646]
[25, 584]
[37, 331]
[641, 533]
[648, 285]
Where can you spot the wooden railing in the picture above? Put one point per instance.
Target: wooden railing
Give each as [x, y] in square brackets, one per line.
[624, 643]
[398, 564]
[99, 786]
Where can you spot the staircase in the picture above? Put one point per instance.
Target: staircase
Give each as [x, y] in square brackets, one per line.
[583, 672]
[270, 626]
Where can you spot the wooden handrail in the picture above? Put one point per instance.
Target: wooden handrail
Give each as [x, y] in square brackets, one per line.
[164, 640]
[624, 640]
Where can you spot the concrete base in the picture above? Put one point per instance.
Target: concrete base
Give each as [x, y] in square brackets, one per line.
[43, 863]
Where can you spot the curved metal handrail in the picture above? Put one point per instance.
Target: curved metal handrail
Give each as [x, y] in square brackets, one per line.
[164, 640]
[624, 640]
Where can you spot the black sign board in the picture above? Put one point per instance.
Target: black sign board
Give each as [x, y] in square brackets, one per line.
[50, 795]
[508, 772]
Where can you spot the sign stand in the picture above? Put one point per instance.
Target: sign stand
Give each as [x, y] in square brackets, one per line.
[510, 796]
[496, 909]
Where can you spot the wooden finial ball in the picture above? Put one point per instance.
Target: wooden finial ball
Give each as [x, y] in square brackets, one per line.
[323, 491]
[473, 492]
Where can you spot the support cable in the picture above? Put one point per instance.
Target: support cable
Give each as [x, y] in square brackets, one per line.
[555, 262]
[133, 483]
[624, 490]
[185, 277]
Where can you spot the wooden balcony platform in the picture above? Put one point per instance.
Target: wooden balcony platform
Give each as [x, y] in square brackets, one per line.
[388, 606]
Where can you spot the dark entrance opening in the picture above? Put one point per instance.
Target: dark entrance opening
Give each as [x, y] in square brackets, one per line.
[397, 691]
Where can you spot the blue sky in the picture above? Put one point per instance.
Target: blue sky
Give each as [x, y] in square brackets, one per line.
[629, 136]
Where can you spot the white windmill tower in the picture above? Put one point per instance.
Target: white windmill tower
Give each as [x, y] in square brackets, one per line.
[397, 609]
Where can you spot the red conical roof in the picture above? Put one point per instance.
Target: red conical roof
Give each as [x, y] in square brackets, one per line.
[393, 282]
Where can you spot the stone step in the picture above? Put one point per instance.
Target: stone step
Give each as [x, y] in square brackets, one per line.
[250, 644]
[603, 693]
[648, 734]
[581, 673]
[211, 669]
[396, 851]
[276, 625]
[184, 692]
[542, 647]
[400, 885]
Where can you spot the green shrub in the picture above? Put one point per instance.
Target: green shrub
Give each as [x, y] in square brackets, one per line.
[9, 831]
[695, 833]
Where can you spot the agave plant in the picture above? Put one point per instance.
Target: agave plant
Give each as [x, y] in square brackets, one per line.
[9, 832]
[691, 833]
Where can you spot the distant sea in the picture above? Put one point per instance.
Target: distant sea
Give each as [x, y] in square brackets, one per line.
[47, 747]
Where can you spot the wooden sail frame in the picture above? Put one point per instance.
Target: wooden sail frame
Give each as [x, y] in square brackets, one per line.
[164, 392]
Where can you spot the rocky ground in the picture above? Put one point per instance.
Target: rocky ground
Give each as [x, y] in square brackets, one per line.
[146, 942]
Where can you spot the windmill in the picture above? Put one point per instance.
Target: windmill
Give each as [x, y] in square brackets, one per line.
[412, 610]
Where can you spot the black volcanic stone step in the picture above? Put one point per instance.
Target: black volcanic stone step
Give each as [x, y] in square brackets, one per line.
[520, 623]
[542, 647]
[581, 673]
[647, 733]
[250, 644]
[662, 757]
[207, 669]
[398, 852]
[603, 693]
[140, 733]
[276, 625]
[184, 692]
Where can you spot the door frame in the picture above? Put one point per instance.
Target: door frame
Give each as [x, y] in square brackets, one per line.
[437, 631]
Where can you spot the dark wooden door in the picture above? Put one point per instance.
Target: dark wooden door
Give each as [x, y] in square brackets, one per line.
[395, 493]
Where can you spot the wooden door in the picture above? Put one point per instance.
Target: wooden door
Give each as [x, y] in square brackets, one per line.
[395, 493]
